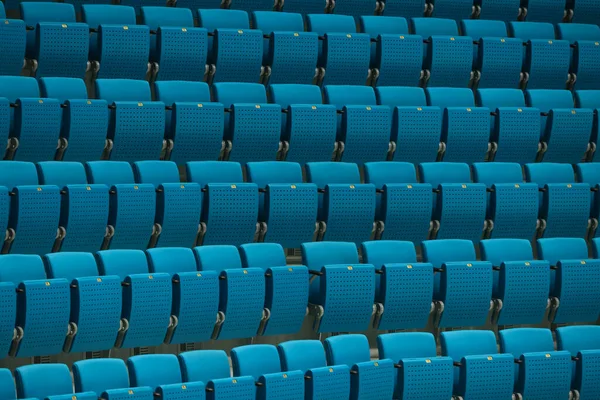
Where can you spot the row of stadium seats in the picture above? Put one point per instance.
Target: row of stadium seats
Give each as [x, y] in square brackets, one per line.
[470, 366]
[108, 205]
[248, 122]
[84, 302]
[386, 52]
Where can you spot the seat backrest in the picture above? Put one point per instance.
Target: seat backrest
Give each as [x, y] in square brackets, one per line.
[171, 260]
[205, 172]
[427, 27]
[70, 265]
[578, 338]
[61, 173]
[381, 173]
[265, 172]
[531, 30]
[397, 346]
[113, 90]
[287, 94]
[494, 98]
[302, 355]
[153, 370]
[230, 93]
[450, 97]
[573, 32]
[376, 26]
[544, 173]
[588, 173]
[444, 172]
[13, 87]
[96, 14]
[204, 365]
[458, 344]
[347, 349]
[43, 380]
[556, 249]
[155, 17]
[17, 268]
[34, 12]
[587, 99]
[63, 88]
[262, 255]
[546, 99]
[7, 384]
[330, 23]
[498, 251]
[518, 341]
[217, 258]
[17, 173]
[343, 95]
[122, 262]
[155, 172]
[381, 252]
[396, 96]
[324, 173]
[497, 172]
[109, 172]
[317, 254]
[438, 252]
[170, 92]
[219, 19]
[480, 28]
[255, 360]
[100, 375]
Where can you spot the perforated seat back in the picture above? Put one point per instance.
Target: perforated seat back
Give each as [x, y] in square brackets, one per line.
[545, 11]
[61, 49]
[13, 41]
[155, 17]
[100, 375]
[408, 9]
[36, 12]
[40, 381]
[590, 174]
[379, 26]
[269, 22]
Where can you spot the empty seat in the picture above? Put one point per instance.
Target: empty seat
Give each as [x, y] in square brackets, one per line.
[32, 211]
[416, 353]
[84, 122]
[235, 55]
[586, 12]
[7, 384]
[343, 291]
[396, 57]
[515, 128]
[346, 206]
[355, 8]
[178, 205]
[137, 124]
[566, 131]
[322, 381]
[369, 379]
[146, 309]
[564, 205]
[503, 10]
[288, 207]
[447, 56]
[261, 361]
[212, 368]
[60, 44]
[512, 205]
[403, 205]
[13, 42]
[230, 206]
[496, 58]
[521, 284]
[252, 127]
[195, 294]
[542, 372]
[582, 342]
[459, 206]
[574, 281]
[91, 294]
[162, 373]
[194, 127]
[590, 173]
[241, 292]
[84, 207]
[47, 380]
[465, 128]
[42, 307]
[106, 377]
[590, 99]
[458, 10]
[399, 272]
[178, 50]
[463, 286]
[407, 9]
[479, 369]
[132, 206]
[286, 296]
[290, 54]
[544, 11]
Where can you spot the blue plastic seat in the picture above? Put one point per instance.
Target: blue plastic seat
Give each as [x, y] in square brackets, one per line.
[515, 128]
[521, 284]
[132, 206]
[574, 282]
[252, 127]
[356, 8]
[123, 48]
[590, 173]
[582, 342]
[84, 207]
[146, 309]
[586, 11]
[590, 99]
[463, 286]
[9, 316]
[241, 291]
[288, 207]
[230, 206]
[346, 206]
[261, 361]
[212, 368]
[178, 205]
[403, 205]
[195, 294]
[91, 294]
[339, 281]
[42, 307]
[369, 379]
[13, 42]
[7, 384]
[399, 273]
[564, 204]
[286, 296]
[375, 26]
[137, 125]
[416, 128]
[542, 372]
[503, 10]
[47, 381]
[465, 128]
[84, 122]
[479, 370]
[545, 11]
[162, 373]
[416, 353]
[407, 9]
[108, 378]
[512, 205]
[458, 10]
[194, 129]
[459, 208]
[178, 50]
[31, 213]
